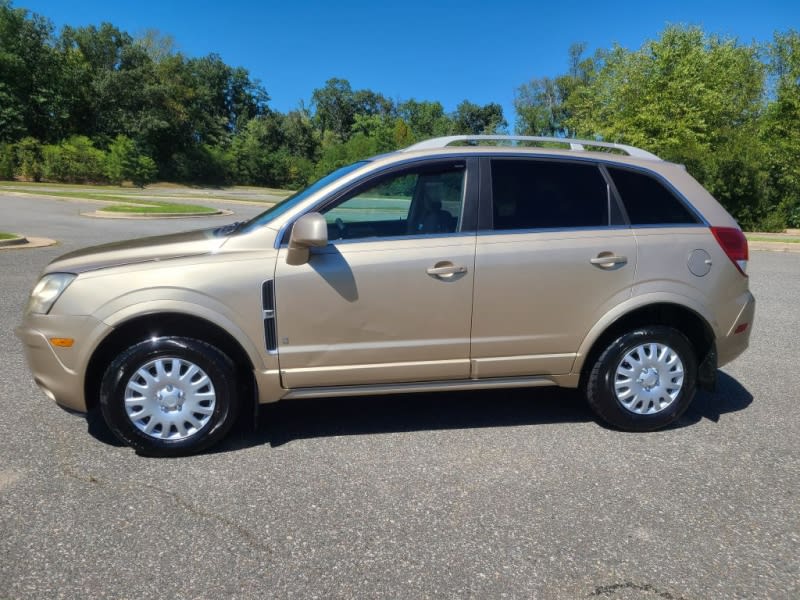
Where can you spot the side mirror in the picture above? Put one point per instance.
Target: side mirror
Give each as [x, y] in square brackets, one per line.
[308, 231]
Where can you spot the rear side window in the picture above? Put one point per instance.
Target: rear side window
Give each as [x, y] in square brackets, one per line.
[648, 201]
[530, 194]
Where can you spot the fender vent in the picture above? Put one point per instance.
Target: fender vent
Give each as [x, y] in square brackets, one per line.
[268, 304]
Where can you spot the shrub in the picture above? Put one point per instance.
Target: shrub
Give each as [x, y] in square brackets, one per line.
[29, 159]
[7, 162]
[75, 160]
[144, 171]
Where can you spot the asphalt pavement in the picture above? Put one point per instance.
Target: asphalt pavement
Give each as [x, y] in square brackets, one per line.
[501, 494]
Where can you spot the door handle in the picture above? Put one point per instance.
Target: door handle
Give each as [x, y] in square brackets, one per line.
[608, 260]
[445, 269]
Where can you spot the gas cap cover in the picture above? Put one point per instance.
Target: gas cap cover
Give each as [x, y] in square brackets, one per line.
[699, 262]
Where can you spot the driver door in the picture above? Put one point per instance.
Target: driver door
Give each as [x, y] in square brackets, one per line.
[389, 299]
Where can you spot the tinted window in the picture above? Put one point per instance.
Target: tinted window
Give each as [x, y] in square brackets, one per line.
[648, 201]
[530, 194]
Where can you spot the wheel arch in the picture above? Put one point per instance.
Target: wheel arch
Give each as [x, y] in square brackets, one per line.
[678, 316]
[163, 324]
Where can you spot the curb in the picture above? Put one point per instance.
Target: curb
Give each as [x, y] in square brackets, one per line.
[26, 243]
[14, 241]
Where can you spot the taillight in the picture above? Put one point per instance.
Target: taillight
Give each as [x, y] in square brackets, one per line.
[733, 242]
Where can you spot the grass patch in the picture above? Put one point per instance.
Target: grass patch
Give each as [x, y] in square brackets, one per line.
[7, 236]
[147, 207]
[163, 192]
[82, 195]
[769, 238]
[132, 203]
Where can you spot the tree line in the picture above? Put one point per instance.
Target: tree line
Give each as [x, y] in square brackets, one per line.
[95, 104]
[728, 111]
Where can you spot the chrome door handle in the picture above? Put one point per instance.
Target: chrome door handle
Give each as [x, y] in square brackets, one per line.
[445, 270]
[606, 260]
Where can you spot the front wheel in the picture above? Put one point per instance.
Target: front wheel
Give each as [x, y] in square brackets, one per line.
[643, 380]
[169, 396]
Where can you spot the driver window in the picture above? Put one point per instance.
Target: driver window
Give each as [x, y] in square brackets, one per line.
[422, 202]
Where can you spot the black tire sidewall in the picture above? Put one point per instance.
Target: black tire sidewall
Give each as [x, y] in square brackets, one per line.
[216, 365]
[600, 391]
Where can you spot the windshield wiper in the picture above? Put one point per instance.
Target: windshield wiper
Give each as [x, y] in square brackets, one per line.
[228, 229]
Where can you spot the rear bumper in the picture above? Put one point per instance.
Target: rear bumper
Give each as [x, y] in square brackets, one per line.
[737, 337]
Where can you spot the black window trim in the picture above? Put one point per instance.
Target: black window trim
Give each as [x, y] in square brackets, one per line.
[614, 194]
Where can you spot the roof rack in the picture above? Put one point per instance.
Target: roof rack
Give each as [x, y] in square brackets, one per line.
[443, 142]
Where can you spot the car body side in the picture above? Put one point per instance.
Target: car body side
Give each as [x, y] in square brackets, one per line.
[215, 286]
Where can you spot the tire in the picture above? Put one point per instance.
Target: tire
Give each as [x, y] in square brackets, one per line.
[170, 396]
[644, 380]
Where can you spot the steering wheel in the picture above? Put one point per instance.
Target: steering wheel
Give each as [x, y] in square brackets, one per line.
[341, 227]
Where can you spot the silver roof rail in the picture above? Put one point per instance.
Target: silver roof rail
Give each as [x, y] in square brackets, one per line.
[443, 142]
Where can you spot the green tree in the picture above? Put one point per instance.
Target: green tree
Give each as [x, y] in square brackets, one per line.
[299, 135]
[124, 161]
[97, 66]
[367, 102]
[120, 159]
[781, 126]
[7, 161]
[335, 108]
[144, 171]
[206, 164]
[541, 104]
[157, 45]
[425, 119]
[472, 119]
[679, 94]
[691, 98]
[254, 147]
[379, 128]
[30, 82]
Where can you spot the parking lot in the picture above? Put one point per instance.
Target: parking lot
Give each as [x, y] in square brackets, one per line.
[501, 494]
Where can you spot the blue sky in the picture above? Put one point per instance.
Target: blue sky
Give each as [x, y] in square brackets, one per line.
[428, 50]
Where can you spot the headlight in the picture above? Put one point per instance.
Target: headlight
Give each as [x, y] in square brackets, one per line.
[47, 291]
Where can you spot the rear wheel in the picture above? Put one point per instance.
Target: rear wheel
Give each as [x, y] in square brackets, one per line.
[170, 396]
[643, 380]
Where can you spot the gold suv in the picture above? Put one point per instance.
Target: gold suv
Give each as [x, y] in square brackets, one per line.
[454, 264]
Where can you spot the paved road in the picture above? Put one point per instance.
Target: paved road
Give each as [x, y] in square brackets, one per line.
[515, 494]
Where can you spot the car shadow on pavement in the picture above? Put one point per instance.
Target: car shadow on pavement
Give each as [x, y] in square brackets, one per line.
[730, 396]
[290, 420]
[98, 429]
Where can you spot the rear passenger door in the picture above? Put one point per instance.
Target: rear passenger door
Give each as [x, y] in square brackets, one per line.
[553, 255]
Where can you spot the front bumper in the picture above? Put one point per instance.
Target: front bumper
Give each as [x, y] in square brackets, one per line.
[60, 372]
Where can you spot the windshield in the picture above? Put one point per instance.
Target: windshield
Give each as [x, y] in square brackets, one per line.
[293, 200]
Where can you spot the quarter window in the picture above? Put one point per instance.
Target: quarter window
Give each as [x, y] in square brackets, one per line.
[530, 194]
[648, 201]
